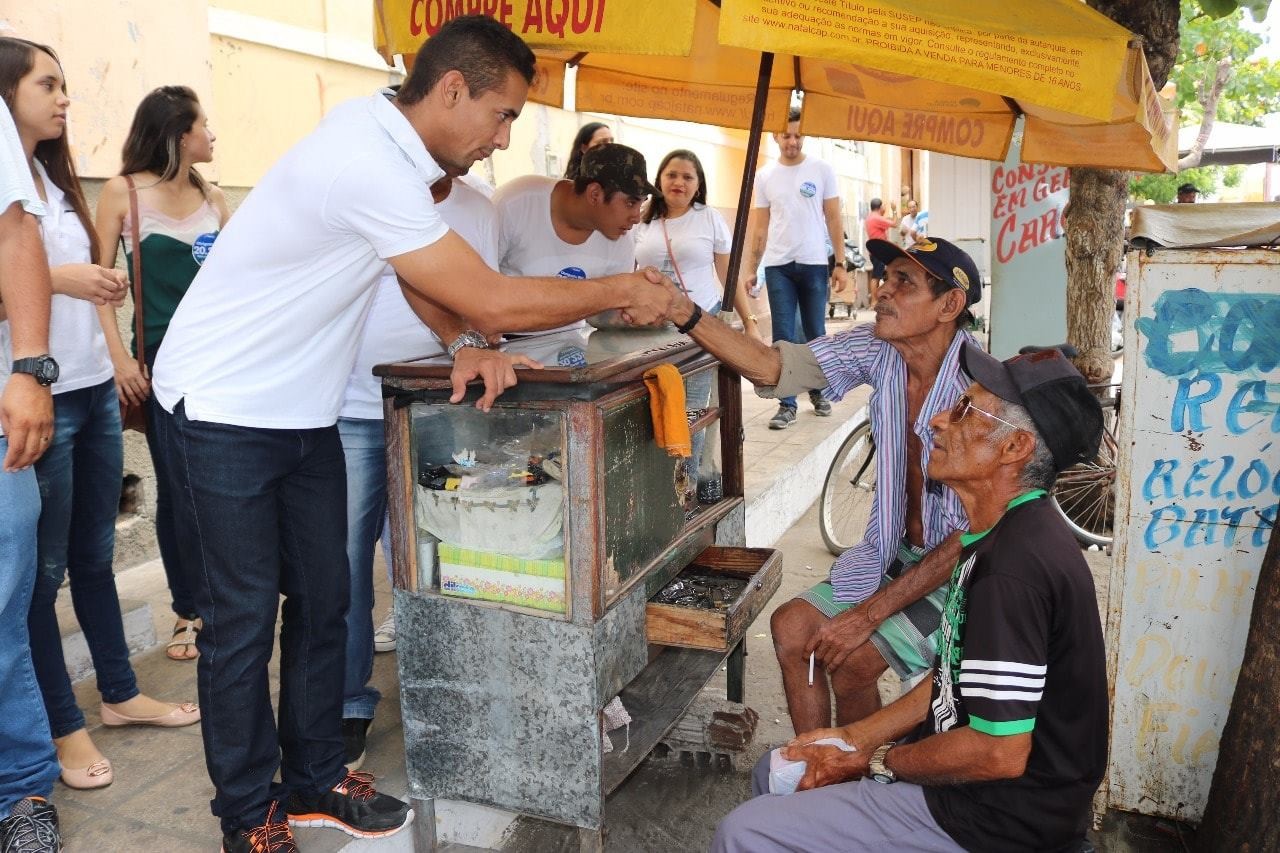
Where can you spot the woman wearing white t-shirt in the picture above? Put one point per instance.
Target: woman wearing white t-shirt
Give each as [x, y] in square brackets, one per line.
[80, 473]
[689, 241]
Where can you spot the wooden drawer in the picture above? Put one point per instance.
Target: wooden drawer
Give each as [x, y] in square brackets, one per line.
[718, 630]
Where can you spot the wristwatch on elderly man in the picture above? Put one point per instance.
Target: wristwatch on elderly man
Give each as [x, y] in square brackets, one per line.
[879, 771]
[469, 338]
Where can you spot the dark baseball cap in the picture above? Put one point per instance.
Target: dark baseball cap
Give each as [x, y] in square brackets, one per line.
[1066, 413]
[939, 259]
[1188, 188]
[616, 167]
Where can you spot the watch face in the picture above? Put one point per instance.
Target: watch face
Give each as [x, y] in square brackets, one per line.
[46, 370]
[882, 778]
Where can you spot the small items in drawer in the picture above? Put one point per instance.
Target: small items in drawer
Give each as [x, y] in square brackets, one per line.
[702, 591]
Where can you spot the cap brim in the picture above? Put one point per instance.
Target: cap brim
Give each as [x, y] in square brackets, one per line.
[886, 252]
[989, 372]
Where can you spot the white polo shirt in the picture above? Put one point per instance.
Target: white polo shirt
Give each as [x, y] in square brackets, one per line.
[392, 331]
[267, 335]
[17, 187]
[797, 224]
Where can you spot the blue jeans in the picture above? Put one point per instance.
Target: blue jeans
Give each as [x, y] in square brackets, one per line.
[79, 477]
[364, 447]
[795, 286]
[28, 762]
[260, 513]
[175, 571]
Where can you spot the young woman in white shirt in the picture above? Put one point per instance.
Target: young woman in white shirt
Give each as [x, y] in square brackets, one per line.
[689, 241]
[80, 473]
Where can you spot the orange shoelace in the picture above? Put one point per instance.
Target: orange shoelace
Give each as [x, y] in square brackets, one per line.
[357, 785]
[272, 836]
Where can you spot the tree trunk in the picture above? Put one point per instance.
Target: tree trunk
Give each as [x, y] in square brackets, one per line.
[1210, 92]
[1241, 814]
[1094, 217]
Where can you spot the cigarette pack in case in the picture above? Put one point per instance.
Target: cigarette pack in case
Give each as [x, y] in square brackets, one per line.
[491, 576]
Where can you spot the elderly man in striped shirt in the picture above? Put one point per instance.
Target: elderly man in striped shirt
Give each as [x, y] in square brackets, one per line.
[881, 606]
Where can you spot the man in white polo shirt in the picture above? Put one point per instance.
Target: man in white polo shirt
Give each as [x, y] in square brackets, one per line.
[251, 377]
[28, 762]
[796, 210]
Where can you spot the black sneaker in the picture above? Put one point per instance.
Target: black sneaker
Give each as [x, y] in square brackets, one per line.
[352, 806]
[821, 407]
[785, 417]
[355, 732]
[274, 836]
[31, 827]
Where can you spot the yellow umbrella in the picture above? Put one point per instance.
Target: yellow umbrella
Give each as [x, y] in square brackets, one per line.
[925, 77]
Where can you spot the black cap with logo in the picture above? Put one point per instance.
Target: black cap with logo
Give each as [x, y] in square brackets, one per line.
[1066, 413]
[616, 168]
[939, 258]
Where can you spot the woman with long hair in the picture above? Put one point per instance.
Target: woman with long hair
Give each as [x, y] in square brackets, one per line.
[179, 215]
[593, 134]
[80, 473]
[689, 241]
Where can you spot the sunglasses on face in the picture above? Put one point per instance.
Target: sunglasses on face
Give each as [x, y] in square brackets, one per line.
[964, 405]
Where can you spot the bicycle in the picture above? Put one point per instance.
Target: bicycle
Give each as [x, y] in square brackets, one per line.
[1084, 494]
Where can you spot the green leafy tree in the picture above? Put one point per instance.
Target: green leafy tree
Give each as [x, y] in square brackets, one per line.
[1214, 70]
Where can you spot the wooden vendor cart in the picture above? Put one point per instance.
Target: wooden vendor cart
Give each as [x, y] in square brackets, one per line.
[527, 543]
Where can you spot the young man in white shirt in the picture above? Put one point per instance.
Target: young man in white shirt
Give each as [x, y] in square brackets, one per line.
[392, 332]
[251, 378]
[796, 210]
[28, 761]
[573, 229]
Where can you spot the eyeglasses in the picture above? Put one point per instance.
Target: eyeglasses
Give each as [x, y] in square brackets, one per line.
[964, 405]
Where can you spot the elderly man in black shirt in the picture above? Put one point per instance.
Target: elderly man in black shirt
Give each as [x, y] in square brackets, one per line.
[1003, 749]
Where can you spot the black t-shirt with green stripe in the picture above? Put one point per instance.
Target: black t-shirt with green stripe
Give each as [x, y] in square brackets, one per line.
[1021, 651]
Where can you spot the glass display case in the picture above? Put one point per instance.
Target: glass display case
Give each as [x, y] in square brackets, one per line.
[527, 543]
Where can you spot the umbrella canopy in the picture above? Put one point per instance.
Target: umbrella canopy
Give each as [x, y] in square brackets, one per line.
[956, 87]
[1233, 144]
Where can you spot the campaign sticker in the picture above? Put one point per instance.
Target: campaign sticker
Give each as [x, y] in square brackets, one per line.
[808, 189]
[572, 356]
[572, 272]
[201, 245]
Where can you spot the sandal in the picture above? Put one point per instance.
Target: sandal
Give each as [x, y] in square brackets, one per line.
[184, 638]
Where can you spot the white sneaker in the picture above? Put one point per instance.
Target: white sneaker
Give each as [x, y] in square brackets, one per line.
[384, 638]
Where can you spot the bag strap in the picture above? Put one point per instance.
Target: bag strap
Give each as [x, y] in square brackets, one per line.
[135, 239]
[672, 255]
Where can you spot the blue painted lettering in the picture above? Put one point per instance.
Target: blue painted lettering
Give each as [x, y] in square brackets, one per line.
[1162, 470]
[1159, 531]
[1187, 407]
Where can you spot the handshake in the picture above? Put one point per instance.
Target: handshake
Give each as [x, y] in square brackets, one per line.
[653, 299]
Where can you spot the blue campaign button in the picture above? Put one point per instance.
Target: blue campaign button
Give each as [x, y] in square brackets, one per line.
[572, 272]
[808, 189]
[201, 245]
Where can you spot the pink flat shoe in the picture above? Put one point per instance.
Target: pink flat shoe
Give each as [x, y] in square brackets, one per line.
[182, 715]
[96, 775]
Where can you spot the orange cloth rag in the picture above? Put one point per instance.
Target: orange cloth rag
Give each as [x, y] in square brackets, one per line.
[666, 404]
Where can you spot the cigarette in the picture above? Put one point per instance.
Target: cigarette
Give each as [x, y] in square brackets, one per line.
[811, 654]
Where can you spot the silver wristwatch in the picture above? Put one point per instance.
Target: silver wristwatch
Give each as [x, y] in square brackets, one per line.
[879, 771]
[469, 338]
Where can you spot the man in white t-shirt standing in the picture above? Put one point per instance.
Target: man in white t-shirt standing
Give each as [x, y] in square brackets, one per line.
[28, 762]
[573, 229]
[251, 379]
[392, 332]
[795, 212]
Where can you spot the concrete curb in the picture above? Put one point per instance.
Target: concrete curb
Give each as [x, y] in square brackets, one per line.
[771, 513]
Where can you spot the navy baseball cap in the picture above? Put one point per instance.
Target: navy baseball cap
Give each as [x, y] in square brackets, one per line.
[1066, 413]
[939, 258]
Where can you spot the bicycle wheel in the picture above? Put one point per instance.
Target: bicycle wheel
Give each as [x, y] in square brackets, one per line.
[1085, 494]
[848, 491]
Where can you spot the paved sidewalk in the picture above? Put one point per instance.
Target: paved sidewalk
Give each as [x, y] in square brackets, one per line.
[160, 799]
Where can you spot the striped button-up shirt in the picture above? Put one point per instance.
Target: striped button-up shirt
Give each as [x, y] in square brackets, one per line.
[858, 357]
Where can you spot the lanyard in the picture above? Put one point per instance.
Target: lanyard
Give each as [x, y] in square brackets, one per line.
[967, 539]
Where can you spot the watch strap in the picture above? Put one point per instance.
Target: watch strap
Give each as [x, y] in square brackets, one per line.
[469, 338]
[687, 327]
